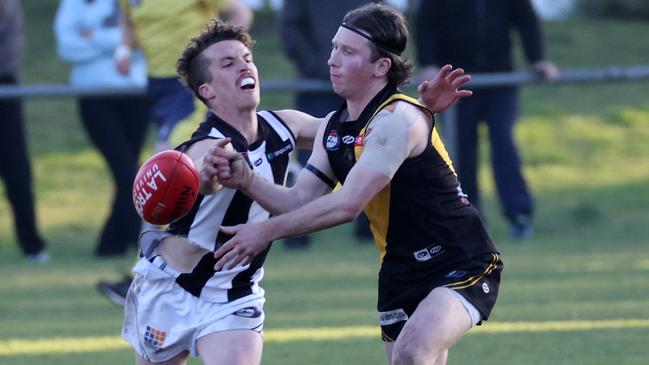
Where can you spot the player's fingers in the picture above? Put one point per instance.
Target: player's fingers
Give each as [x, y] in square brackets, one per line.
[221, 255]
[224, 175]
[246, 260]
[444, 71]
[454, 74]
[233, 261]
[222, 142]
[422, 87]
[464, 93]
[228, 257]
[221, 163]
[230, 230]
[458, 82]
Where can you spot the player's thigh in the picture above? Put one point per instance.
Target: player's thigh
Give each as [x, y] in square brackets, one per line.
[180, 359]
[236, 347]
[438, 322]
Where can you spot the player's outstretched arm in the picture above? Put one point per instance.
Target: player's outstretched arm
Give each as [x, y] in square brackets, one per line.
[233, 172]
[443, 90]
[387, 146]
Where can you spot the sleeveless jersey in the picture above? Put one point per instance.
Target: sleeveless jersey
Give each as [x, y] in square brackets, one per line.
[268, 157]
[421, 221]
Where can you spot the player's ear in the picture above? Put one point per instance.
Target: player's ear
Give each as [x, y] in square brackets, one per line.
[382, 66]
[205, 91]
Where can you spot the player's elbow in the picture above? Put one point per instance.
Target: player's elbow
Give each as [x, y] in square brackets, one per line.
[351, 210]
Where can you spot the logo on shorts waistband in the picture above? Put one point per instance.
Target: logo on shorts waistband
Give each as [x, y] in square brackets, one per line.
[392, 317]
[248, 312]
[154, 338]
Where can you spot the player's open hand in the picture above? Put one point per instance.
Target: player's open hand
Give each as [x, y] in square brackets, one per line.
[443, 90]
[249, 240]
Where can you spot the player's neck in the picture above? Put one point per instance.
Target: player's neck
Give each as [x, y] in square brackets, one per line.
[243, 120]
[356, 103]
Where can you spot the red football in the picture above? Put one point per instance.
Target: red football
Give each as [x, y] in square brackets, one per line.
[166, 187]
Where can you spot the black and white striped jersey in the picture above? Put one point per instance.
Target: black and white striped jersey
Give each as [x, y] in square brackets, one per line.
[269, 158]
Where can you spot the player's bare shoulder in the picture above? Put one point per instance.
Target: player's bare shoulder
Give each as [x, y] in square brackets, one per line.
[401, 123]
[304, 126]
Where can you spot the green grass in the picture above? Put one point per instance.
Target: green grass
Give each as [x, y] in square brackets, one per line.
[586, 158]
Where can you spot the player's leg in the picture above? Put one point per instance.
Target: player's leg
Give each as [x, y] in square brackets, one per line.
[180, 359]
[235, 347]
[438, 322]
[389, 348]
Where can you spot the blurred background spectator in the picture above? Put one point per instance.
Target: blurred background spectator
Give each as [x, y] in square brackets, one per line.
[15, 168]
[306, 28]
[88, 34]
[162, 28]
[476, 35]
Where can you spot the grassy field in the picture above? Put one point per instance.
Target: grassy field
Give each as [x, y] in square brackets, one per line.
[576, 293]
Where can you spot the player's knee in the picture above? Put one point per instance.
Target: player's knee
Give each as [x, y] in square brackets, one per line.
[409, 351]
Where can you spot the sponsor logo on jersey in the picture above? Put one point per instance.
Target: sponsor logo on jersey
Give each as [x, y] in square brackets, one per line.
[485, 288]
[332, 141]
[258, 162]
[348, 139]
[359, 141]
[391, 317]
[154, 338]
[248, 312]
[286, 149]
[428, 253]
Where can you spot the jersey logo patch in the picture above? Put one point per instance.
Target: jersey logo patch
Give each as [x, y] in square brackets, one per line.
[284, 150]
[348, 139]
[154, 338]
[332, 141]
[428, 253]
[392, 317]
[359, 141]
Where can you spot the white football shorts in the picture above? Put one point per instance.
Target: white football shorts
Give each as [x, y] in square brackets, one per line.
[161, 319]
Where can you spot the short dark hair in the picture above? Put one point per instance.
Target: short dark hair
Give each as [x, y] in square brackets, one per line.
[390, 31]
[193, 66]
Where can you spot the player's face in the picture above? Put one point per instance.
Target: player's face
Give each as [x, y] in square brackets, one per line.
[235, 83]
[350, 68]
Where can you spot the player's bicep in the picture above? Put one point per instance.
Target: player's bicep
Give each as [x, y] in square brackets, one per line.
[317, 177]
[387, 144]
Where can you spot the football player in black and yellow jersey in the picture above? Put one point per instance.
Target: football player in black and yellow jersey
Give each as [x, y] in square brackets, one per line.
[440, 270]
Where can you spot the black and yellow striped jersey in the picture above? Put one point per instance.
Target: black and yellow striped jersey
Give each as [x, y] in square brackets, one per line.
[421, 221]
